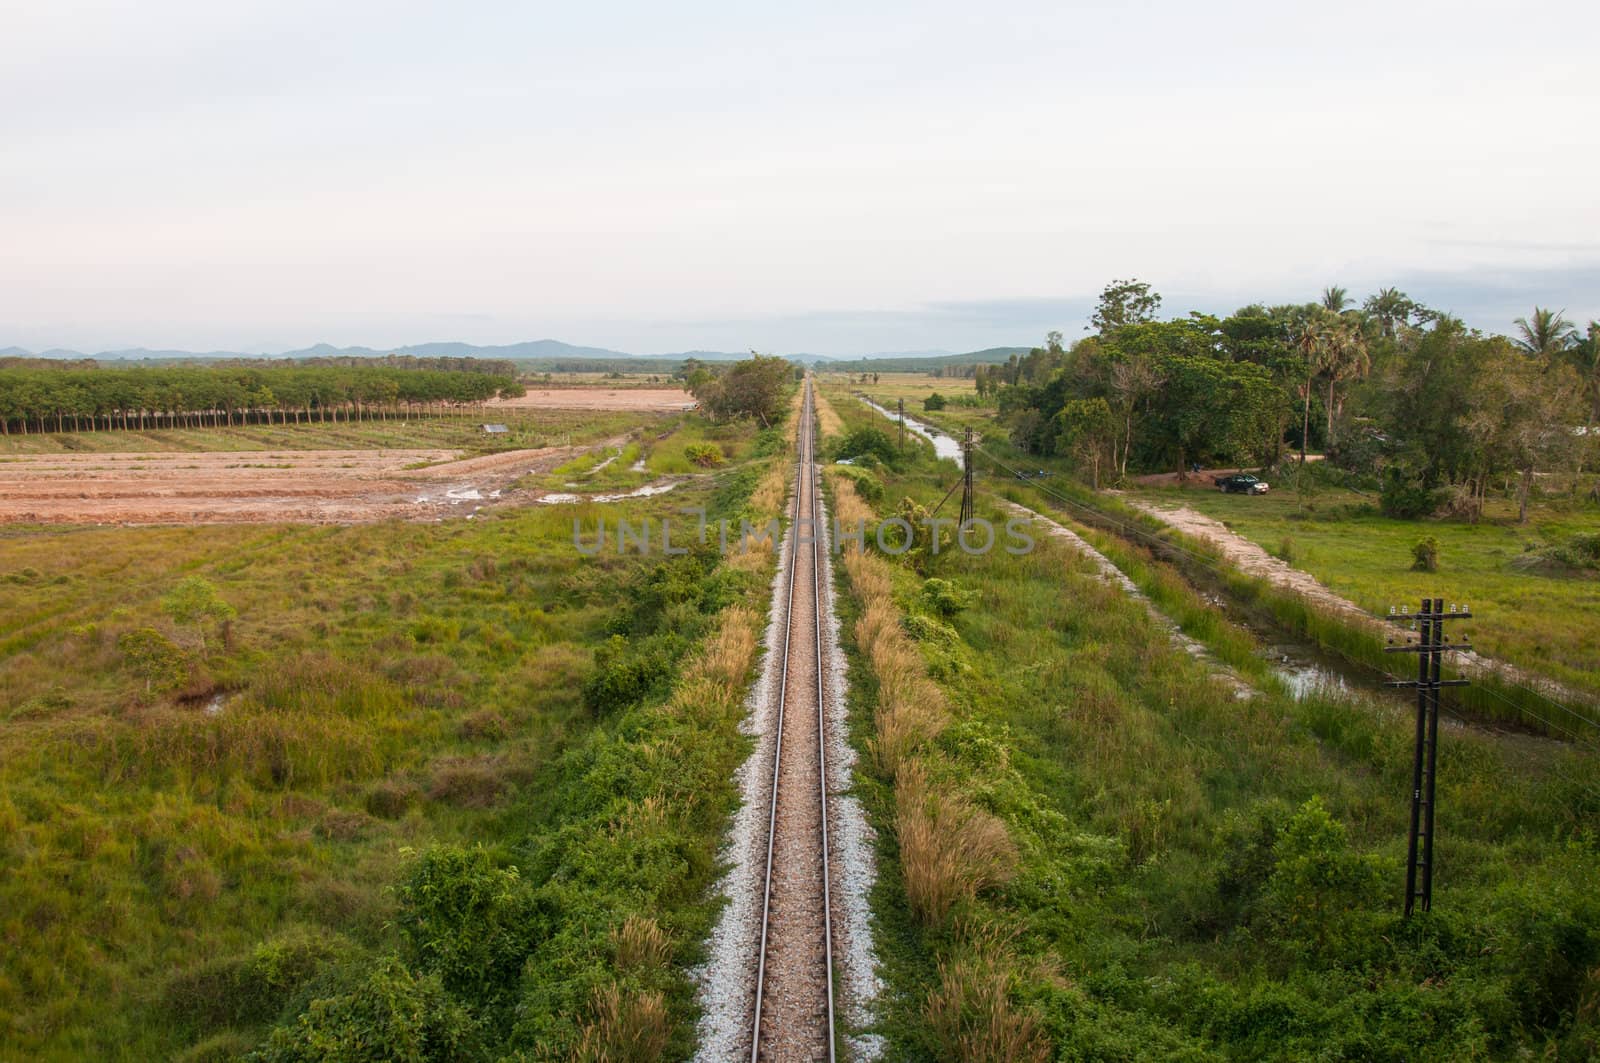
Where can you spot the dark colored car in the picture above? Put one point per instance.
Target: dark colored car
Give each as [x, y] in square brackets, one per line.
[1240, 483]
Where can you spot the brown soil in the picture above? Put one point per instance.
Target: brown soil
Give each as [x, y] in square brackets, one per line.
[598, 399]
[323, 486]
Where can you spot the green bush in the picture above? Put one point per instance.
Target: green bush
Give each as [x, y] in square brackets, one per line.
[1406, 498]
[1318, 887]
[255, 987]
[705, 455]
[391, 1015]
[468, 920]
[1425, 555]
[867, 485]
[624, 672]
[945, 597]
[933, 403]
[867, 442]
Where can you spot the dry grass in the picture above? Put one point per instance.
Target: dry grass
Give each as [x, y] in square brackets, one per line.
[911, 708]
[827, 420]
[715, 679]
[972, 1018]
[628, 1025]
[949, 849]
[640, 944]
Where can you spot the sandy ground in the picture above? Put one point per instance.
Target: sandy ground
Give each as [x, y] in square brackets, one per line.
[331, 486]
[598, 399]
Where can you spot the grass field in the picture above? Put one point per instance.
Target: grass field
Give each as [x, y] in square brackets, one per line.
[1194, 876]
[544, 428]
[1545, 623]
[201, 839]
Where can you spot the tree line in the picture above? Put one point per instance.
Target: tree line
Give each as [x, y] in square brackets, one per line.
[78, 398]
[1389, 387]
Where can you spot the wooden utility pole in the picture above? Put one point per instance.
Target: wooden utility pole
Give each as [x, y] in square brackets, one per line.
[902, 425]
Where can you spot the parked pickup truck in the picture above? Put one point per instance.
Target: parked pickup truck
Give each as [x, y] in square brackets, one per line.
[1240, 483]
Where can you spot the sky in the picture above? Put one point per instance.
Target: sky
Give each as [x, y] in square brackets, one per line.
[828, 178]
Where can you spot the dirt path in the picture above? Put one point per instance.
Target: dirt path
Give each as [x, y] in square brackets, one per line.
[320, 486]
[1251, 559]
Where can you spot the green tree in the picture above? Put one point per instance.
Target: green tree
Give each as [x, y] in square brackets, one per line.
[1086, 429]
[1124, 302]
[152, 657]
[755, 387]
[194, 603]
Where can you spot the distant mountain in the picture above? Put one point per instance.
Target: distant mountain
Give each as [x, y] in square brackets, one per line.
[515, 351]
[922, 363]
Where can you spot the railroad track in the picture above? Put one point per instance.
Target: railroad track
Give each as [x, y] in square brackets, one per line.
[793, 1014]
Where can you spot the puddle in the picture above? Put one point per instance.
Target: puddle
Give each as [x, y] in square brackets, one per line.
[1303, 674]
[660, 487]
[943, 446]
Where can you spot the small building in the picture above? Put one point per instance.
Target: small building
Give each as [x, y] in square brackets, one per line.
[495, 429]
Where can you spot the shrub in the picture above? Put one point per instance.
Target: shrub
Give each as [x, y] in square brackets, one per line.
[1406, 498]
[866, 485]
[194, 602]
[1425, 555]
[705, 455]
[152, 657]
[1285, 551]
[468, 921]
[867, 441]
[934, 402]
[1317, 886]
[946, 597]
[1579, 554]
[392, 1014]
[252, 988]
[625, 673]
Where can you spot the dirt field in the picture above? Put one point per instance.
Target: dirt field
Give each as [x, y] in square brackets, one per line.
[331, 486]
[595, 398]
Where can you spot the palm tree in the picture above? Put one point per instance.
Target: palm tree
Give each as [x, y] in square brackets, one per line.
[1346, 357]
[1390, 308]
[1312, 338]
[1335, 298]
[1546, 333]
